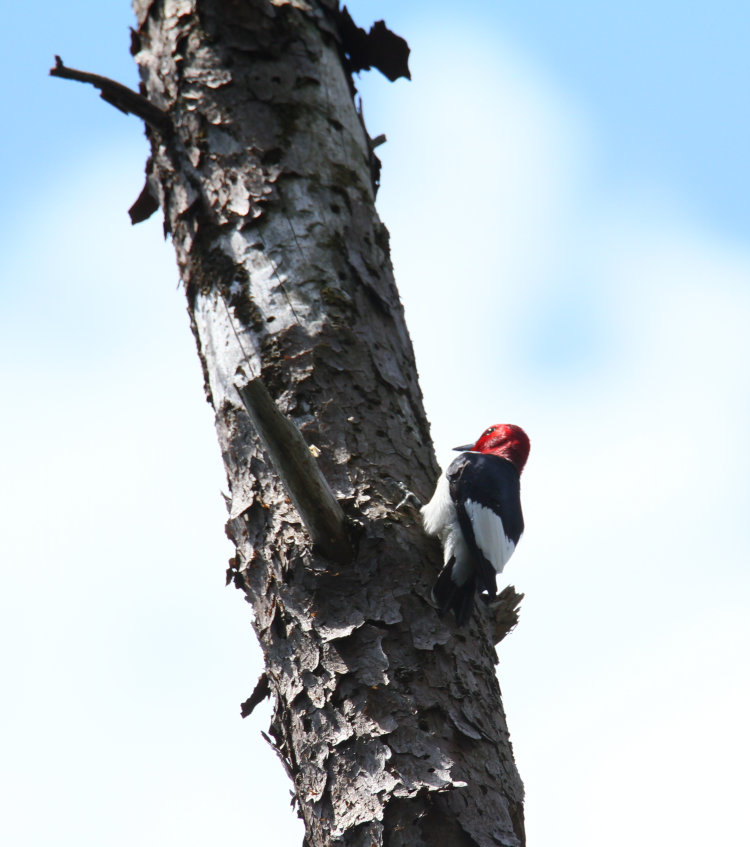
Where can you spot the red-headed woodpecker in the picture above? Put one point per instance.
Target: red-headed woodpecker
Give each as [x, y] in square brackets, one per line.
[476, 513]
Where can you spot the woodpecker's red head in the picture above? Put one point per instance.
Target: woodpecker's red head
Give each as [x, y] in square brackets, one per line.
[505, 440]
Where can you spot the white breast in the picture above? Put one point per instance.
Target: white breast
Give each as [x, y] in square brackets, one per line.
[439, 515]
[440, 518]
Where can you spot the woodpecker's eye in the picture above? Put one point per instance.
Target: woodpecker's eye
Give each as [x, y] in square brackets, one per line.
[488, 431]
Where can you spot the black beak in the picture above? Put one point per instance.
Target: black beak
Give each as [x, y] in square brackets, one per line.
[463, 449]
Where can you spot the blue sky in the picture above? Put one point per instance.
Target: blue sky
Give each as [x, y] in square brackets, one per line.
[567, 190]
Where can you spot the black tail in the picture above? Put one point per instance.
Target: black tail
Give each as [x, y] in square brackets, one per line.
[449, 595]
[486, 576]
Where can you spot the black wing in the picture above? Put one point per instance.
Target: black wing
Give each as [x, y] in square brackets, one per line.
[492, 482]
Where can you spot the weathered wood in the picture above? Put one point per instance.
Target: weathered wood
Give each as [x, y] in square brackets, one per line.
[297, 469]
[260, 692]
[504, 613]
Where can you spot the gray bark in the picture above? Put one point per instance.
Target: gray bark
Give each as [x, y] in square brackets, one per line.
[388, 720]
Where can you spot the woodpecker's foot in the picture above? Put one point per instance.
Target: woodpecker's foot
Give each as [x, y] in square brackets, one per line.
[409, 498]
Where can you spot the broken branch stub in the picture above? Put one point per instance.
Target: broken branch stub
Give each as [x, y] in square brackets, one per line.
[308, 489]
[117, 95]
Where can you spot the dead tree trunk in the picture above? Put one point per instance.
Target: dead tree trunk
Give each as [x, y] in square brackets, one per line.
[388, 720]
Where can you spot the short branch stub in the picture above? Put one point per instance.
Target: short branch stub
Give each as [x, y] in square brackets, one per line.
[308, 489]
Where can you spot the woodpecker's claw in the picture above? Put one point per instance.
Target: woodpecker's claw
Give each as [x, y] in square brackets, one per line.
[409, 498]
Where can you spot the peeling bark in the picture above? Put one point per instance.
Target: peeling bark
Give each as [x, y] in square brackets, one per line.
[388, 720]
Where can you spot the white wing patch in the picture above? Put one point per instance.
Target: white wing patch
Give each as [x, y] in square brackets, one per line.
[489, 534]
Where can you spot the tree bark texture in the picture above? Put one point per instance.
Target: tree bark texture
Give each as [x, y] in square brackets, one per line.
[388, 720]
